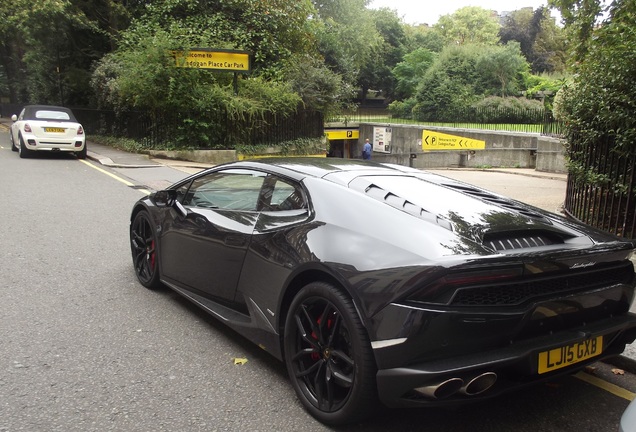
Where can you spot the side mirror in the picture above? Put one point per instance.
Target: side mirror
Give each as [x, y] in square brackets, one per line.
[168, 198]
[165, 198]
[14, 117]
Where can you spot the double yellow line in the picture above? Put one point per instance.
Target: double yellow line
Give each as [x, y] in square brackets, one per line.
[607, 386]
[119, 179]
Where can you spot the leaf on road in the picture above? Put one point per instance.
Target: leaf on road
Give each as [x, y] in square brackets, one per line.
[240, 361]
[618, 371]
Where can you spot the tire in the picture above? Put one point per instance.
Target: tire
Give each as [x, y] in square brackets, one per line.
[329, 357]
[143, 244]
[23, 150]
[82, 153]
[13, 146]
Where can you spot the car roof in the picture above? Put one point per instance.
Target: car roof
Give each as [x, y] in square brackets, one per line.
[30, 110]
[322, 167]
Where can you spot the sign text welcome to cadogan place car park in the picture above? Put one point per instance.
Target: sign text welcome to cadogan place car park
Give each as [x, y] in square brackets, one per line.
[216, 60]
[206, 58]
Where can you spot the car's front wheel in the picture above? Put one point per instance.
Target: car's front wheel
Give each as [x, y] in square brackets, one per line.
[329, 357]
[13, 146]
[143, 244]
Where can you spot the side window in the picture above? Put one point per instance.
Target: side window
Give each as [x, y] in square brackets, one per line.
[182, 191]
[279, 194]
[229, 190]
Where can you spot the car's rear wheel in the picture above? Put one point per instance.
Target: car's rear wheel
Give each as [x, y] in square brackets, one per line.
[23, 150]
[329, 357]
[143, 243]
[82, 153]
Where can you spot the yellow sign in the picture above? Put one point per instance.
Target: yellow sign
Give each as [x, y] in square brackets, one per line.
[234, 61]
[343, 134]
[439, 141]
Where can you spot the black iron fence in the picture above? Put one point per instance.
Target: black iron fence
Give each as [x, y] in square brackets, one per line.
[204, 130]
[601, 187]
[214, 129]
[502, 119]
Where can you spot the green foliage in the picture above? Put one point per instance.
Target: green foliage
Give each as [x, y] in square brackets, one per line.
[469, 25]
[348, 40]
[297, 147]
[508, 103]
[388, 52]
[544, 87]
[542, 42]
[272, 30]
[403, 109]
[464, 74]
[601, 101]
[411, 70]
[502, 66]
[581, 17]
[423, 37]
[47, 47]
[318, 86]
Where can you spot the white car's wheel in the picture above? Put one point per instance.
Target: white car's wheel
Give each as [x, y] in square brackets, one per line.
[13, 146]
[24, 152]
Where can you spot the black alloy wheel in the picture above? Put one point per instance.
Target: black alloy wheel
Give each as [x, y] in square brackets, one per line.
[143, 243]
[329, 357]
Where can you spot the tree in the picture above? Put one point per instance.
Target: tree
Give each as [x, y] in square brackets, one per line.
[601, 98]
[463, 74]
[423, 36]
[348, 40]
[48, 47]
[469, 25]
[502, 66]
[581, 17]
[542, 43]
[450, 82]
[386, 53]
[319, 87]
[409, 72]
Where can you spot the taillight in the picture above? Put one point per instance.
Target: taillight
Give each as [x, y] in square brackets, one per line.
[27, 128]
[80, 130]
[442, 290]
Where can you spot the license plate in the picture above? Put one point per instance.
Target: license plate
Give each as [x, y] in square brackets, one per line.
[53, 129]
[570, 354]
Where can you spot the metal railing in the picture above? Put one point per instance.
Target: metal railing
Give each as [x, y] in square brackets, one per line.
[205, 130]
[601, 189]
[510, 120]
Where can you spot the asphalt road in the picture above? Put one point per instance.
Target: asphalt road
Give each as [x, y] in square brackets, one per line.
[85, 348]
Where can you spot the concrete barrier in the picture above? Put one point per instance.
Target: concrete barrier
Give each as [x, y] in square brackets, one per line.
[503, 149]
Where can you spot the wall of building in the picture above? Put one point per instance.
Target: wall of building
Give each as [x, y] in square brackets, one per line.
[503, 149]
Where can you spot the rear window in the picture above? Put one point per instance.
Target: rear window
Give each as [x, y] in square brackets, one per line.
[51, 115]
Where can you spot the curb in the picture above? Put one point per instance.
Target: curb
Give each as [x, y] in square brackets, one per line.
[622, 362]
[106, 161]
[547, 176]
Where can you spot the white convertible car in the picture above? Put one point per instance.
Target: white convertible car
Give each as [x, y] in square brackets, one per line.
[51, 128]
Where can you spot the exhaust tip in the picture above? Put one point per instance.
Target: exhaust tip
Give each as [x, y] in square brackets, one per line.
[443, 389]
[479, 384]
